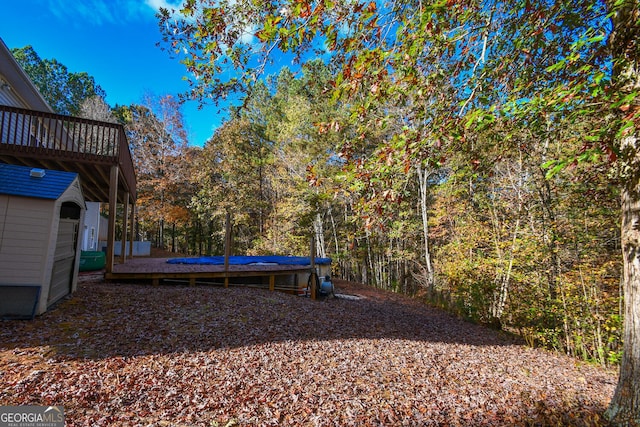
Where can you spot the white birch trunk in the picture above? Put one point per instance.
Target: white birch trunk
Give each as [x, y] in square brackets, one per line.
[422, 181]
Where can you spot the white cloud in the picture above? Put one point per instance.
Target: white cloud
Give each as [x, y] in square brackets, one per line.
[99, 12]
[167, 4]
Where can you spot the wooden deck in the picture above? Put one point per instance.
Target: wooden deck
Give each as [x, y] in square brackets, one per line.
[89, 148]
[274, 277]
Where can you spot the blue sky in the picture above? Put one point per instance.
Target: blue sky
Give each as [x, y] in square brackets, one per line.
[112, 40]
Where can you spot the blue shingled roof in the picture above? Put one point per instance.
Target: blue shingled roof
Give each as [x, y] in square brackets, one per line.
[17, 181]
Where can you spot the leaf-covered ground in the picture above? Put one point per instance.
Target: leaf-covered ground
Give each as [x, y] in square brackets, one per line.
[138, 355]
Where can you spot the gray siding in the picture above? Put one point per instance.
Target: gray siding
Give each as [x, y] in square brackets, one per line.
[64, 260]
[9, 97]
[25, 224]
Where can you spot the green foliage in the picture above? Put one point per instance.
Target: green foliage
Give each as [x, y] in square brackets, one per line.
[511, 107]
[64, 91]
[271, 166]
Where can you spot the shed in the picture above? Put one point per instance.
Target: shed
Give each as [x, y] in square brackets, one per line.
[40, 215]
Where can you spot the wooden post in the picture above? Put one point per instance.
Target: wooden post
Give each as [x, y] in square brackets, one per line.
[125, 225]
[227, 247]
[132, 224]
[272, 282]
[111, 229]
[314, 275]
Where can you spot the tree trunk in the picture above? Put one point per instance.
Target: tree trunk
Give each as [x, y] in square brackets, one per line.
[173, 237]
[624, 409]
[319, 233]
[161, 234]
[423, 177]
[335, 233]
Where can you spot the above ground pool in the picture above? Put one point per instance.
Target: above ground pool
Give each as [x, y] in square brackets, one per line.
[249, 260]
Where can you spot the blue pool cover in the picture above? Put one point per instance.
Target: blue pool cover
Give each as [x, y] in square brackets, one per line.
[248, 260]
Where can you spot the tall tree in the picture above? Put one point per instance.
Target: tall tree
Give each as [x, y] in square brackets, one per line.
[96, 108]
[157, 137]
[235, 178]
[63, 90]
[303, 153]
[625, 45]
[459, 67]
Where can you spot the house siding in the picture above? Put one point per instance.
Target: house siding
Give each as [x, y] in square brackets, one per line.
[8, 96]
[25, 225]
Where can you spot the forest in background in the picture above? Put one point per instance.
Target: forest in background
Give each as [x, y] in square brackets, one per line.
[483, 231]
[480, 154]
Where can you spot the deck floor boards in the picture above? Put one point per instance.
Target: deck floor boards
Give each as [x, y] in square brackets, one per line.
[157, 269]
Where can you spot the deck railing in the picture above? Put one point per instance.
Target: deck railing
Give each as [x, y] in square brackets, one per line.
[32, 133]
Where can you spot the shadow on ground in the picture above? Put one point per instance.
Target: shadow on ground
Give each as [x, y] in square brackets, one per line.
[85, 350]
[105, 319]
